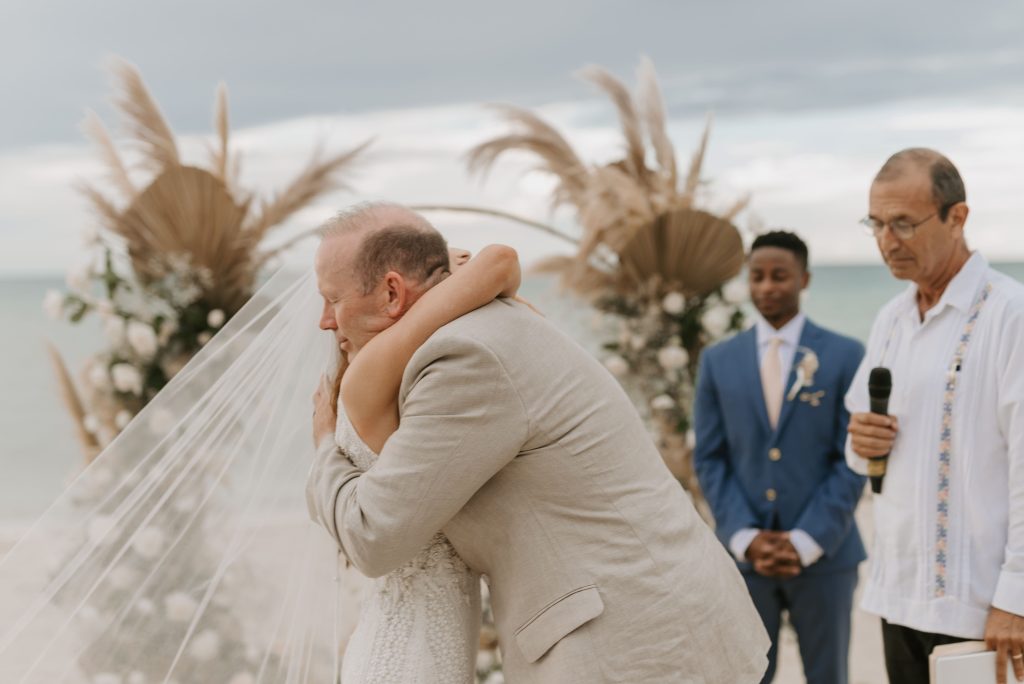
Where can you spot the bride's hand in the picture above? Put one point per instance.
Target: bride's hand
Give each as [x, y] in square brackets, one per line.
[325, 409]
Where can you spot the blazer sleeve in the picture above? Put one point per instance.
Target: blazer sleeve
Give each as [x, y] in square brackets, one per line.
[462, 421]
[715, 473]
[828, 516]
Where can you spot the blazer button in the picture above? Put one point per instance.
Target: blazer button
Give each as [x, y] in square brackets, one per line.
[770, 495]
[774, 454]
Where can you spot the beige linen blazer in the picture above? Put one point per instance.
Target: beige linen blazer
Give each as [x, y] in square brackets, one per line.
[531, 459]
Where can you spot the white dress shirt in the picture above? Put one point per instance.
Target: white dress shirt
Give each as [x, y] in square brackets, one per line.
[913, 580]
[789, 341]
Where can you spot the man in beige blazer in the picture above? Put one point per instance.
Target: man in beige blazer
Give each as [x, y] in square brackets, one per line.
[531, 459]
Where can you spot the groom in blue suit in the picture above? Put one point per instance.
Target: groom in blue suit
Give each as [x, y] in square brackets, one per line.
[771, 433]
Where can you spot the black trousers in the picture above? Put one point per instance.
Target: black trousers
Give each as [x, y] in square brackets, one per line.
[907, 651]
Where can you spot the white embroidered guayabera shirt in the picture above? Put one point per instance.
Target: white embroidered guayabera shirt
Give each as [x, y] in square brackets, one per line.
[949, 523]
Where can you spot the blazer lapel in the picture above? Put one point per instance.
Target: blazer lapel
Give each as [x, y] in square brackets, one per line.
[750, 367]
[808, 340]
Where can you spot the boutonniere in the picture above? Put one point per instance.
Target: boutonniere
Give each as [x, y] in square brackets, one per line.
[813, 398]
[805, 371]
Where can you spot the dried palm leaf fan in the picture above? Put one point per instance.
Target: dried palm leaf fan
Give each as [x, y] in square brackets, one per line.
[178, 216]
[687, 249]
[638, 221]
[194, 211]
[188, 210]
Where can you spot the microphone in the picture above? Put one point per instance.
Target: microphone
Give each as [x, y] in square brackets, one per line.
[879, 389]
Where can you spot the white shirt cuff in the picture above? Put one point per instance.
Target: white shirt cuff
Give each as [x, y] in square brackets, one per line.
[856, 463]
[1009, 594]
[806, 547]
[740, 542]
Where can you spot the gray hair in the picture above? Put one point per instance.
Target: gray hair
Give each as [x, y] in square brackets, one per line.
[395, 239]
[947, 185]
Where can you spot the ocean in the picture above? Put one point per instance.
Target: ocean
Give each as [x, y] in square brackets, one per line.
[38, 451]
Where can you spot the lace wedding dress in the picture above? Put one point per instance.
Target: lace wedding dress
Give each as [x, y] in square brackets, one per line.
[420, 623]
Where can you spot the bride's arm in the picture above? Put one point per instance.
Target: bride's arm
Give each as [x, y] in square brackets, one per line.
[369, 389]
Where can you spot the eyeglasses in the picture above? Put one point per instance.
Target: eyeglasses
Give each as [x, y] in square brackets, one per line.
[901, 228]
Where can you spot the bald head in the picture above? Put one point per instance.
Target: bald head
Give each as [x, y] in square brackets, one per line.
[380, 237]
[374, 262]
[947, 187]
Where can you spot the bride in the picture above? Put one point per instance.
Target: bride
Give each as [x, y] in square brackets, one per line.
[420, 623]
[183, 553]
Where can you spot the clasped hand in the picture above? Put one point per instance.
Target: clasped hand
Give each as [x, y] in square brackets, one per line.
[773, 555]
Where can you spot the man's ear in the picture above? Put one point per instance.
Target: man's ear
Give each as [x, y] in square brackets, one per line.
[958, 213]
[395, 294]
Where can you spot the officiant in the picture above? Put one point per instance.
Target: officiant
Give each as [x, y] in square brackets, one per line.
[771, 431]
[948, 557]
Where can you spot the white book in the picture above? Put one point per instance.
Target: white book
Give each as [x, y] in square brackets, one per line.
[967, 662]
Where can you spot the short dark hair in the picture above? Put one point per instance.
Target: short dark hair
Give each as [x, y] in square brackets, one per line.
[783, 239]
[410, 250]
[947, 185]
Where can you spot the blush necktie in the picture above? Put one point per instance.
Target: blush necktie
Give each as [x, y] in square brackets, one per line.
[771, 380]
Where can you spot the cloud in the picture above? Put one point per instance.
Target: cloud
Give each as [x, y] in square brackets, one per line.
[807, 170]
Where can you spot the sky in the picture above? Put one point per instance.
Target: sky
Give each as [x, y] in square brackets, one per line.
[808, 98]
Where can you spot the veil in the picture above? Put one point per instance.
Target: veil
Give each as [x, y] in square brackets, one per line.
[184, 553]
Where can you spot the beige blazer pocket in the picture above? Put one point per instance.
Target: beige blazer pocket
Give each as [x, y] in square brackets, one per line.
[559, 618]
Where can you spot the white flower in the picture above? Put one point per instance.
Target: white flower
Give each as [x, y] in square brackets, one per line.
[736, 291]
[90, 235]
[149, 542]
[663, 402]
[637, 342]
[805, 371]
[145, 606]
[167, 328]
[495, 677]
[673, 357]
[114, 329]
[123, 417]
[179, 607]
[205, 646]
[172, 367]
[616, 365]
[136, 677]
[142, 339]
[99, 529]
[91, 423]
[242, 678]
[484, 661]
[53, 304]
[716, 320]
[78, 277]
[203, 337]
[126, 378]
[215, 318]
[122, 577]
[105, 308]
[186, 503]
[107, 678]
[98, 376]
[673, 303]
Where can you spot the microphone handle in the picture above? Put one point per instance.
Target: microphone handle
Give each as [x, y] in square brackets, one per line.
[877, 465]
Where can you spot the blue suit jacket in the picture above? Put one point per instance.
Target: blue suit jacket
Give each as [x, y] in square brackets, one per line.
[794, 476]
